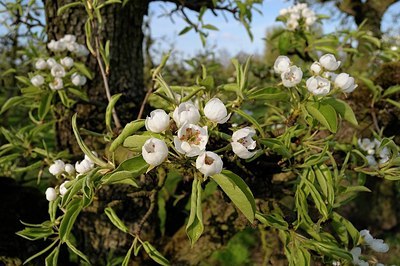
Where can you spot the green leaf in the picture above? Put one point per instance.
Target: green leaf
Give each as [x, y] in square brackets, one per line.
[109, 109]
[325, 114]
[276, 146]
[45, 105]
[185, 30]
[12, 102]
[128, 130]
[250, 119]
[64, 8]
[395, 103]
[284, 43]
[128, 255]
[343, 109]
[273, 220]
[83, 146]
[352, 231]
[84, 70]
[209, 27]
[238, 191]
[127, 171]
[136, 142]
[52, 258]
[72, 212]
[325, 181]
[391, 90]
[77, 252]
[194, 227]
[115, 219]
[319, 202]
[154, 254]
[268, 94]
[41, 252]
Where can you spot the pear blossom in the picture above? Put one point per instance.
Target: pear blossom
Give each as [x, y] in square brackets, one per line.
[215, 111]
[68, 38]
[84, 166]
[78, 80]
[158, 121]
[378, 245]
[51, 194]
[186, 112]
[242, 142]
[56, 46]
[318, 86]
[63, 189]
[191, 140]
[328, 61]
[292, 24]
[57, 167]
[69, 168]
[41, 64]
[329, 75]
[154, 151]
[209, 163]
[367, 145]
[37, 80]
[366, 236]
[282, 63]
[316, 68]
[56, 84]
[292, 76]
[384, 155]
[345, 82]
[51, 62]
[371, 160]
[68, 62]
[57, 71]
[81, 50]
[356, 253]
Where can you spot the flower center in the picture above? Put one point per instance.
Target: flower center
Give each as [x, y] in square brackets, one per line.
[151, 148]
[244, 141]
[290, 76]
[191, 136]
[208, 160]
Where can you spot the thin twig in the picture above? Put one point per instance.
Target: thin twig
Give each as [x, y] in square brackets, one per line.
[148, 213]
[105, 80]
[146, 98]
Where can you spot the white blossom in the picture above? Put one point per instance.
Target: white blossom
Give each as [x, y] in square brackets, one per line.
[51, 194]
[378, 245]
[292, 24]
[242, 143]
[345, 82]
[209, 163]
[186, 113]
[191, 140]
[81, 50]
[69, 168]
[371, 160]
[329, 75]
[216, 111]
[292, 76]
[37, 80]
[57, 71]
[84, 166]
[78, 80]
[51, 62]
[366, 236]
[68, 62]
[68, 38]
[318, 86]
[367, 145]
[158, 121]
[328, 61]
[41, 64]
[57, 167]
[63, 189]
[316, 68]
[56, 84]
[282, 63]
[154, 151]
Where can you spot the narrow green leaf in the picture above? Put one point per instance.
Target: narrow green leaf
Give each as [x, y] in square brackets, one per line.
[319, 202]
[209, 27]
[109, 109]
[41, 252]
[268, 94]
[127, 170]
[128, 256]
[250, 119]
[136, 142]
[52, 258]
[45, 105]
[12, 102]
[115, 219]
[83, 69]
[128, 130]
[194, 227]
[273, 220]
[238, 191]
[77, 252]
[64, 8]
[72, 212]
[391, 90]
[154, 254]
[185, 30]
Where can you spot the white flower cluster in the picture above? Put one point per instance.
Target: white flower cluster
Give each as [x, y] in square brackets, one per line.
[61, 69]
[377, 245]
[191, 139]
[373, 151]
[320, 83]
[298, 15]
[68, 43]
[59, 168]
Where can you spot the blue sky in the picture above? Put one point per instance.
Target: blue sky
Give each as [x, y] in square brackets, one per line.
[231, 35]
